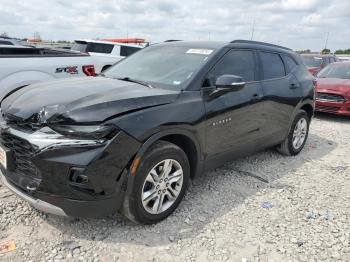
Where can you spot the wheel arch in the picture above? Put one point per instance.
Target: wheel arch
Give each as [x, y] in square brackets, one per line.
[308, 108]
[306, 105]
[184, 139]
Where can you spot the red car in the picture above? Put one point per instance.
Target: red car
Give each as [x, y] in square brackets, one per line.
[333, 89]
[315, 62]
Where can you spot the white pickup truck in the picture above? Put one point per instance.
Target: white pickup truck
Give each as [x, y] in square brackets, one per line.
[106, 53]
[21, 66]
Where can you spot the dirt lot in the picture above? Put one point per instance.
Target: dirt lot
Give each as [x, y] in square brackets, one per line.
[265, 207]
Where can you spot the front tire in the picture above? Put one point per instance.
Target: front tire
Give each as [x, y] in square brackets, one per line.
[297, 135]
[160, 183]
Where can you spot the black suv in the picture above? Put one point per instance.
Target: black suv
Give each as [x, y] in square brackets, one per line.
[131, 139]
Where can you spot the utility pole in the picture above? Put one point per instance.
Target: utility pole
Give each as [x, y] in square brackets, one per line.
[325, 46]
[253, 29]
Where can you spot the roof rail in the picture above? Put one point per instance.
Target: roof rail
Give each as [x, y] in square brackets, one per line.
[258, 43]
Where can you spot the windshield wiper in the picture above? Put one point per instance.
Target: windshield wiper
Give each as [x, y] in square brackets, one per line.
[136, 81]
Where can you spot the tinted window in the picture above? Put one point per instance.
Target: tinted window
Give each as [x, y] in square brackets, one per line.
[79, 46]
[236, 62]
[272, 65]
[5, 42]
[289, 63]
[99, 48]
[128, 50]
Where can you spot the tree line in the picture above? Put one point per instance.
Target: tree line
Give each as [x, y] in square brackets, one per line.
[326, 51]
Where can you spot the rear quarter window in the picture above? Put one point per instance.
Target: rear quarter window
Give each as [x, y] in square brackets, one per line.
[272, 65]
[128, 50]
[289, 63]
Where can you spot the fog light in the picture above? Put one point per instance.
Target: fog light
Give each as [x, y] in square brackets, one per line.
[77, 176]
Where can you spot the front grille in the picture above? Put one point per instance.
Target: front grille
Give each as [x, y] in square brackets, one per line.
[19, 123]
[330, 97]
[330, 109]
[22, 152]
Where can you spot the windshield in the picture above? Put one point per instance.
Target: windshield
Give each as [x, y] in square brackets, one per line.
[341, 70]
[168, 67]
[312, 61]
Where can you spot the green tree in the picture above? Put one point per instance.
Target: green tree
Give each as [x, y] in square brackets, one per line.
[326, 51]
[307, 51]
[343, 52]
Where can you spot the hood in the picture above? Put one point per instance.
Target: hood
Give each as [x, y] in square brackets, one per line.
[83, 100]
[333, 84]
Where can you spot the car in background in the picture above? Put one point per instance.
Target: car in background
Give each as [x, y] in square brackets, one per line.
[9, 41]
[343, 58]
[106, 53]
[315, 62]
[333, 89]
[131, 139]
[21, 66]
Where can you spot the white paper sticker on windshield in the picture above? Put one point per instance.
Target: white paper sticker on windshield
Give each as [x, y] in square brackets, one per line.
[199, 51]
[318, 58]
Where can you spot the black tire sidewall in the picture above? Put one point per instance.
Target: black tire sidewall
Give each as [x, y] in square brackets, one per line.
[153, 157]
[292, 150]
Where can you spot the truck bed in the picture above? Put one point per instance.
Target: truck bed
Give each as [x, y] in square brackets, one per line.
[23, 51]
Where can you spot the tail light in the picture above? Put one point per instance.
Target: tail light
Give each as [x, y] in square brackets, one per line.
[89, 70]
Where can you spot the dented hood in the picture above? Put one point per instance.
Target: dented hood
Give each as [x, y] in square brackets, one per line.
[83, 99]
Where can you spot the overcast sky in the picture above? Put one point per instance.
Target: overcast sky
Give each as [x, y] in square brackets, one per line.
[299, 24]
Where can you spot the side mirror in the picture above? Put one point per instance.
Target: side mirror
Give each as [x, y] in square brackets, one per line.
[230, 82]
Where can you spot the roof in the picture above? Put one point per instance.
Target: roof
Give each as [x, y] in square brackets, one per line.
[110, 42]
[197, 44]
[233, 44]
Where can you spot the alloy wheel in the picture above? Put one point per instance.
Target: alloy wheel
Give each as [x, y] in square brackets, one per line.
[299, 134]
[162, 186]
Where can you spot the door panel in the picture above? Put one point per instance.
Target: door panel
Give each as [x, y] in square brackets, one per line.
[281, 95]
[232, 119]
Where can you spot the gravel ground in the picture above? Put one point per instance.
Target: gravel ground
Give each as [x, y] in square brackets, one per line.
[265, 207]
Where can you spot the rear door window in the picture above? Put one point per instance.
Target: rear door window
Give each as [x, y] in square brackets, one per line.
[272, 65]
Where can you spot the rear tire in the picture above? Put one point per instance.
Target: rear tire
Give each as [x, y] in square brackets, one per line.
[297, 135]
[160, 183]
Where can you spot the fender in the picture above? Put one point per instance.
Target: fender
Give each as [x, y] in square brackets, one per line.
[155, 137]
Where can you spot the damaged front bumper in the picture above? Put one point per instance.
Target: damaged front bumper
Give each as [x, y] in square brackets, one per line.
[64, 176]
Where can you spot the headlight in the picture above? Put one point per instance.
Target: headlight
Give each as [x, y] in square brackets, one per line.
[86, 132]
